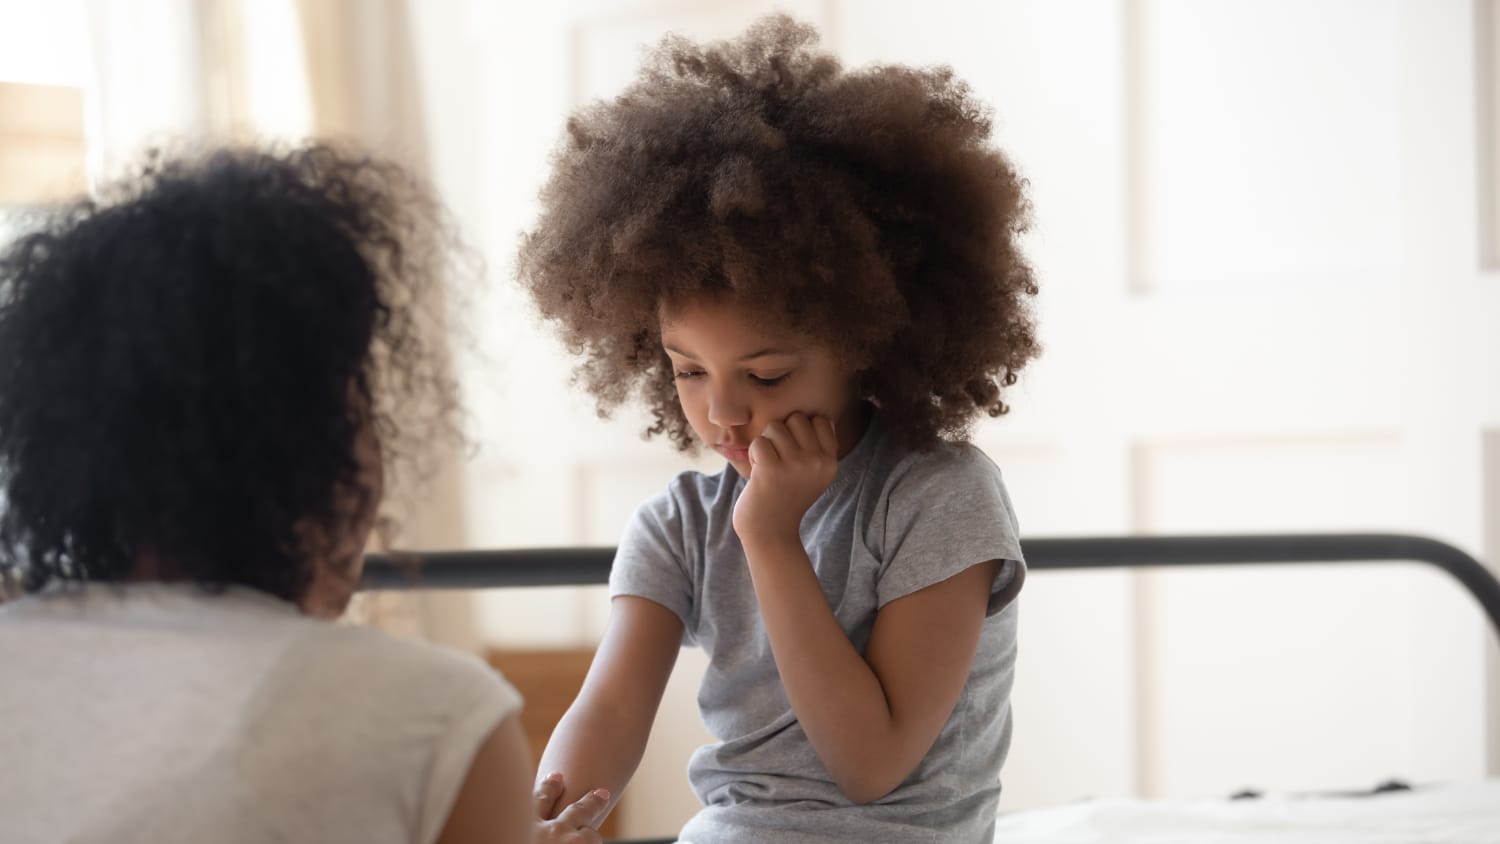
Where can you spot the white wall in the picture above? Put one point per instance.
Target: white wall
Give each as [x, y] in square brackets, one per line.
[43, 44]
[1258, 236]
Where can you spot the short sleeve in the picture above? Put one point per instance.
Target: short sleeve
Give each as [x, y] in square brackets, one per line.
[945, 511]
[651, 560]
[479, 707]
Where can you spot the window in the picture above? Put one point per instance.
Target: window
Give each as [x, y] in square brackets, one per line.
[41, 144]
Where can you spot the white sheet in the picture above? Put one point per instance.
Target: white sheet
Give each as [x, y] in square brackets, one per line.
[1467, 813]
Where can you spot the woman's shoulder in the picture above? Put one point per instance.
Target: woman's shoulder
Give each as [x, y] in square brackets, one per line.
[398, 662]
[238, 633]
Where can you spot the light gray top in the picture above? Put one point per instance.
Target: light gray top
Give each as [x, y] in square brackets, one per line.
[894, 521]
[158, 712]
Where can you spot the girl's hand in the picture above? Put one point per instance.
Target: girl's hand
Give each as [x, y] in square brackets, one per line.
[574, 824]
[792, 463]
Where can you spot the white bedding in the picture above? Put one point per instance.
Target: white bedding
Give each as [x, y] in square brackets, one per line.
[1452, 814]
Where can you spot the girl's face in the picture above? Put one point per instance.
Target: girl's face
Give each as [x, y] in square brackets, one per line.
[735, 375]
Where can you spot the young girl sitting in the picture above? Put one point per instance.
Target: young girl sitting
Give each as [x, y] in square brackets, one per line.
[198, 379]
[815, 273]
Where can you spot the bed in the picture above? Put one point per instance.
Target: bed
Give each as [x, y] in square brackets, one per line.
[1457, 813]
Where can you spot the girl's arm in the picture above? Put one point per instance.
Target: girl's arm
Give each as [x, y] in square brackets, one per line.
[870, 717]
[599, 742]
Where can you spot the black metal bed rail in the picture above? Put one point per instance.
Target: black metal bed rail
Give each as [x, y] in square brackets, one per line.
[584, 566]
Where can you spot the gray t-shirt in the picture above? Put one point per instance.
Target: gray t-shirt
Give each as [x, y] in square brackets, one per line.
[894, 521]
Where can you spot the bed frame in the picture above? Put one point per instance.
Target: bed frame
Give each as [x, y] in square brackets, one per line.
[586, 566]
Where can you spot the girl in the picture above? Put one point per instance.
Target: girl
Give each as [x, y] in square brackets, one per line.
[815, 273]
[197, 384]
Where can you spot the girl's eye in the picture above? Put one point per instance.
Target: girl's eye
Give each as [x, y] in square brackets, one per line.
[684, 374]
[769, 382]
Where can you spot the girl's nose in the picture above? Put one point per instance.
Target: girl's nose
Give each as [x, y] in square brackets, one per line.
[727, 410]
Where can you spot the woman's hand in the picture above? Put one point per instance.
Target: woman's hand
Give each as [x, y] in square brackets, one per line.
[792, 463]
[575, 824]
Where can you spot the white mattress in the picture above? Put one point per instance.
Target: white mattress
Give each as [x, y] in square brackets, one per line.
[1451, 814]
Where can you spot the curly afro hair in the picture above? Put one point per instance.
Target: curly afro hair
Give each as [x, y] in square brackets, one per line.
[867, 207]
[187, 364]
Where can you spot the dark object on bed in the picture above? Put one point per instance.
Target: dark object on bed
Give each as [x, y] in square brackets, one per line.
[1384, 788]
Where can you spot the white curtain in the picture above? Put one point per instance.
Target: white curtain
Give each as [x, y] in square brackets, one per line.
[165, 71]
[214, 71]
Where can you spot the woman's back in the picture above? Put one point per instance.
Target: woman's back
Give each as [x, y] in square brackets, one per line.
[161, 712]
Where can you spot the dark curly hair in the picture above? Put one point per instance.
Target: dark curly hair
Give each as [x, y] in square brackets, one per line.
[187, 363]
[867, 207]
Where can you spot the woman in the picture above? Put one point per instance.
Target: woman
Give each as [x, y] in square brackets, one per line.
[198, 379]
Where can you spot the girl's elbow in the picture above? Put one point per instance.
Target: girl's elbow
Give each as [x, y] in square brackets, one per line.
[877, 771]
[867, 786]
[859, 795]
